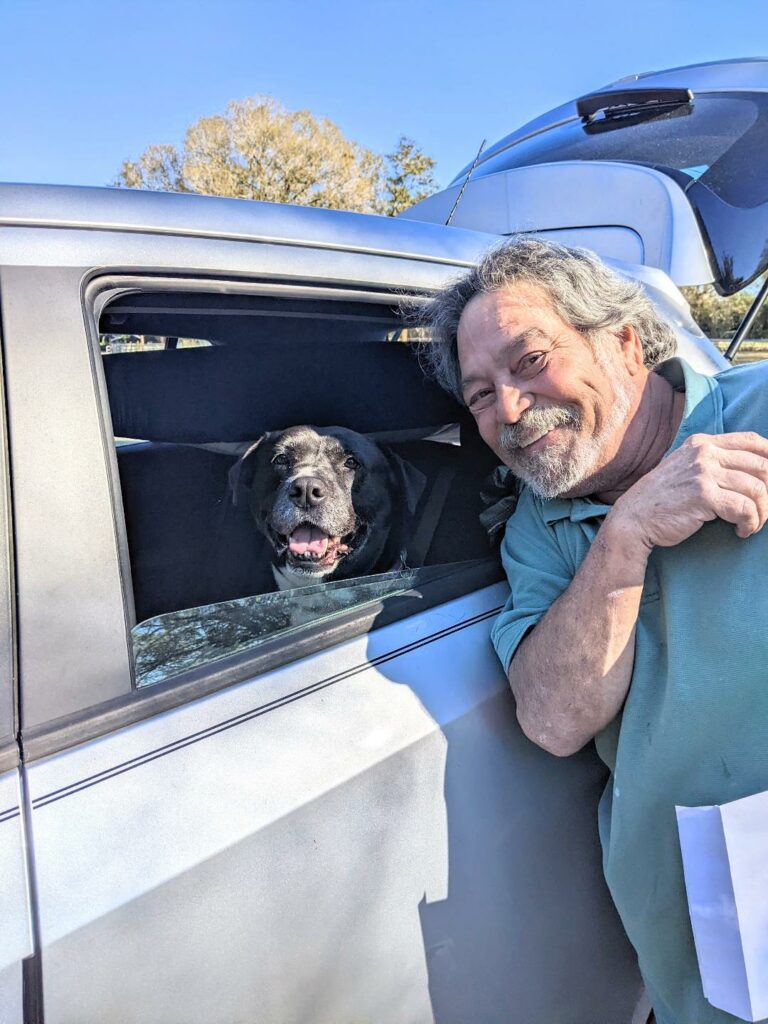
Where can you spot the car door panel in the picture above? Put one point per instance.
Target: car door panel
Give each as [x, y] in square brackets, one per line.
[335, 841]
[364, 834]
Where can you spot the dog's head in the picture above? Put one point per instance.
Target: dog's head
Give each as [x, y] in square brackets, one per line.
[331, 502]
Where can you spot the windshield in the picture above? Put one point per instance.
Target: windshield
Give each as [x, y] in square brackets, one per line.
[719, 143]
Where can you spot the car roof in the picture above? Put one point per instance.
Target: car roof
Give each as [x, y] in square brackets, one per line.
[749, 74]
[118, 209]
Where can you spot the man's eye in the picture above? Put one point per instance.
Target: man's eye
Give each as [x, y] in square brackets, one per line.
[480, 399]
[532, 363]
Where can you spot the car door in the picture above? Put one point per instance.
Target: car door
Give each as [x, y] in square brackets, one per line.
[342, 824]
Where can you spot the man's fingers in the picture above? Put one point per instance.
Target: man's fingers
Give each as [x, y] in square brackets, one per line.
[745, 505]
[738, 464]
[743, 440]
[745, 462]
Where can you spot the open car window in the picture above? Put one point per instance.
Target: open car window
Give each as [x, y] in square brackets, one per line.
[202, 583]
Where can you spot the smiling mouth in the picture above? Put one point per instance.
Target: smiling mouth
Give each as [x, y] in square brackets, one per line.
[309, 547]
[535, 437]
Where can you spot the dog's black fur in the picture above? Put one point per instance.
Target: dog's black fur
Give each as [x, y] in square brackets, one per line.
[331, 503]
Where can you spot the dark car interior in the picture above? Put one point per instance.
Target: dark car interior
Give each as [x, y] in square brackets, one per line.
[264, 364]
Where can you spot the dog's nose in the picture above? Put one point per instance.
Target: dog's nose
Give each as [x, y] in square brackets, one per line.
[307, 491]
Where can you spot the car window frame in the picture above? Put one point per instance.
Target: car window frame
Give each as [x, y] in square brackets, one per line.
[9, 697]
[141, 703]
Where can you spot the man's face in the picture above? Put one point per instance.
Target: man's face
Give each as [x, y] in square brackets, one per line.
[544, 403]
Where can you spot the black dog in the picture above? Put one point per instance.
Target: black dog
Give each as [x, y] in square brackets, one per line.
[331, 503]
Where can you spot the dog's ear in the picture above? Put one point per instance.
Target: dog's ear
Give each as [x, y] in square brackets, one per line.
[410, 481]
[241, 474]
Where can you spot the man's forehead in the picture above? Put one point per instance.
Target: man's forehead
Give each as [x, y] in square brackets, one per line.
[521, 300]
[502, 320]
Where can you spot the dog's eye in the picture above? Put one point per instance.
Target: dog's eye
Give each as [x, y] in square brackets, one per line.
[351, 462]
[281, 459]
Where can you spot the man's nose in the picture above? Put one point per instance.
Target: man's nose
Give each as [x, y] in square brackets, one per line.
[511, 403]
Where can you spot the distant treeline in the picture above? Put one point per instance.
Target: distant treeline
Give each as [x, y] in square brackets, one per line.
[719, 317]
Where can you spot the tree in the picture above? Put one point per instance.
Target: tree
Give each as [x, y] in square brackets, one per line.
[410, 177]
[158, 168]
[719, 317]
[260, 150]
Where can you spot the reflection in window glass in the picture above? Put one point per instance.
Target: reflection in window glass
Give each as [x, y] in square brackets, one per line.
[178, 641]
[109, 343]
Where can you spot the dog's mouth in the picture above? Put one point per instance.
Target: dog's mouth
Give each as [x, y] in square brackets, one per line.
[310, 548]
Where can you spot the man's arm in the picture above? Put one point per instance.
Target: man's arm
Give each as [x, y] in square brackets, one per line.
[571, 674]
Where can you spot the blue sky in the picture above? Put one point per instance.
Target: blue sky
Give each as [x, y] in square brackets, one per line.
[86, 83]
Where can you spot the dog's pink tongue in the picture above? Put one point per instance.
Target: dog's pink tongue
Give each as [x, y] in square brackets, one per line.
[308, 539]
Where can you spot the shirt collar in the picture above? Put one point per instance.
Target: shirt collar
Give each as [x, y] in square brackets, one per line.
[703, 414]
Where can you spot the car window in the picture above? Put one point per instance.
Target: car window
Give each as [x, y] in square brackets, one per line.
[169, 644]
[717, 143]
[203, 572]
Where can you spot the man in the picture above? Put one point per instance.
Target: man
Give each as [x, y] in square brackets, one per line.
[638, 612]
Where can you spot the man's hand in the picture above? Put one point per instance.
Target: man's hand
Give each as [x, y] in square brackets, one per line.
[709, 476]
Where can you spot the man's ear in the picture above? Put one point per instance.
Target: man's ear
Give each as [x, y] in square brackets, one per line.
[631, 349]
[241, 474]
[410, 481]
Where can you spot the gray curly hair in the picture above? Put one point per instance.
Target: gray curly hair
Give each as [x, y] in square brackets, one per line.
[584, 292]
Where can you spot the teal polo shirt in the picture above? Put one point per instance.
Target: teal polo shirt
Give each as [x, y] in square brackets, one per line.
[694, 727]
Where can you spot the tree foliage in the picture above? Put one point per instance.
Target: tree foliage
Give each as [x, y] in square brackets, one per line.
[260, 150]
[719, 317]
[410, 177]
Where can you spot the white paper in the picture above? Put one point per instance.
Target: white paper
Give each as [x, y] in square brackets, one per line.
[745, 825]
[725, 862]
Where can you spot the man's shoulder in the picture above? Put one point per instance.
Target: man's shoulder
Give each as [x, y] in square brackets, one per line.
[530, 518]
[746, 376]
[745, 392]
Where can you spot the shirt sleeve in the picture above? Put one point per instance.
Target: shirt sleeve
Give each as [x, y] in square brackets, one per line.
[538, 571]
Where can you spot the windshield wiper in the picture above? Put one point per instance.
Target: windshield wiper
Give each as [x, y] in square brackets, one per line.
[605, 111]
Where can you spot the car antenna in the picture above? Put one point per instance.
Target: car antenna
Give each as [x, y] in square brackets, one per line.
[466, 182]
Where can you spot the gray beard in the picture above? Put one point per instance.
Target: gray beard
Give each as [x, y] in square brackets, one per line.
[559, 468]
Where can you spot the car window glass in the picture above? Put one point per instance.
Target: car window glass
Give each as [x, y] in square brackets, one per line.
[178, 641]
[109, 343]
[203, 572]
[718, 143]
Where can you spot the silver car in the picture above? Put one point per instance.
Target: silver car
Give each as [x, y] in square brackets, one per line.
[221, 803]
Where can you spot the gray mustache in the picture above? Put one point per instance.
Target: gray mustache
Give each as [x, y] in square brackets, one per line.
[534, 422]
